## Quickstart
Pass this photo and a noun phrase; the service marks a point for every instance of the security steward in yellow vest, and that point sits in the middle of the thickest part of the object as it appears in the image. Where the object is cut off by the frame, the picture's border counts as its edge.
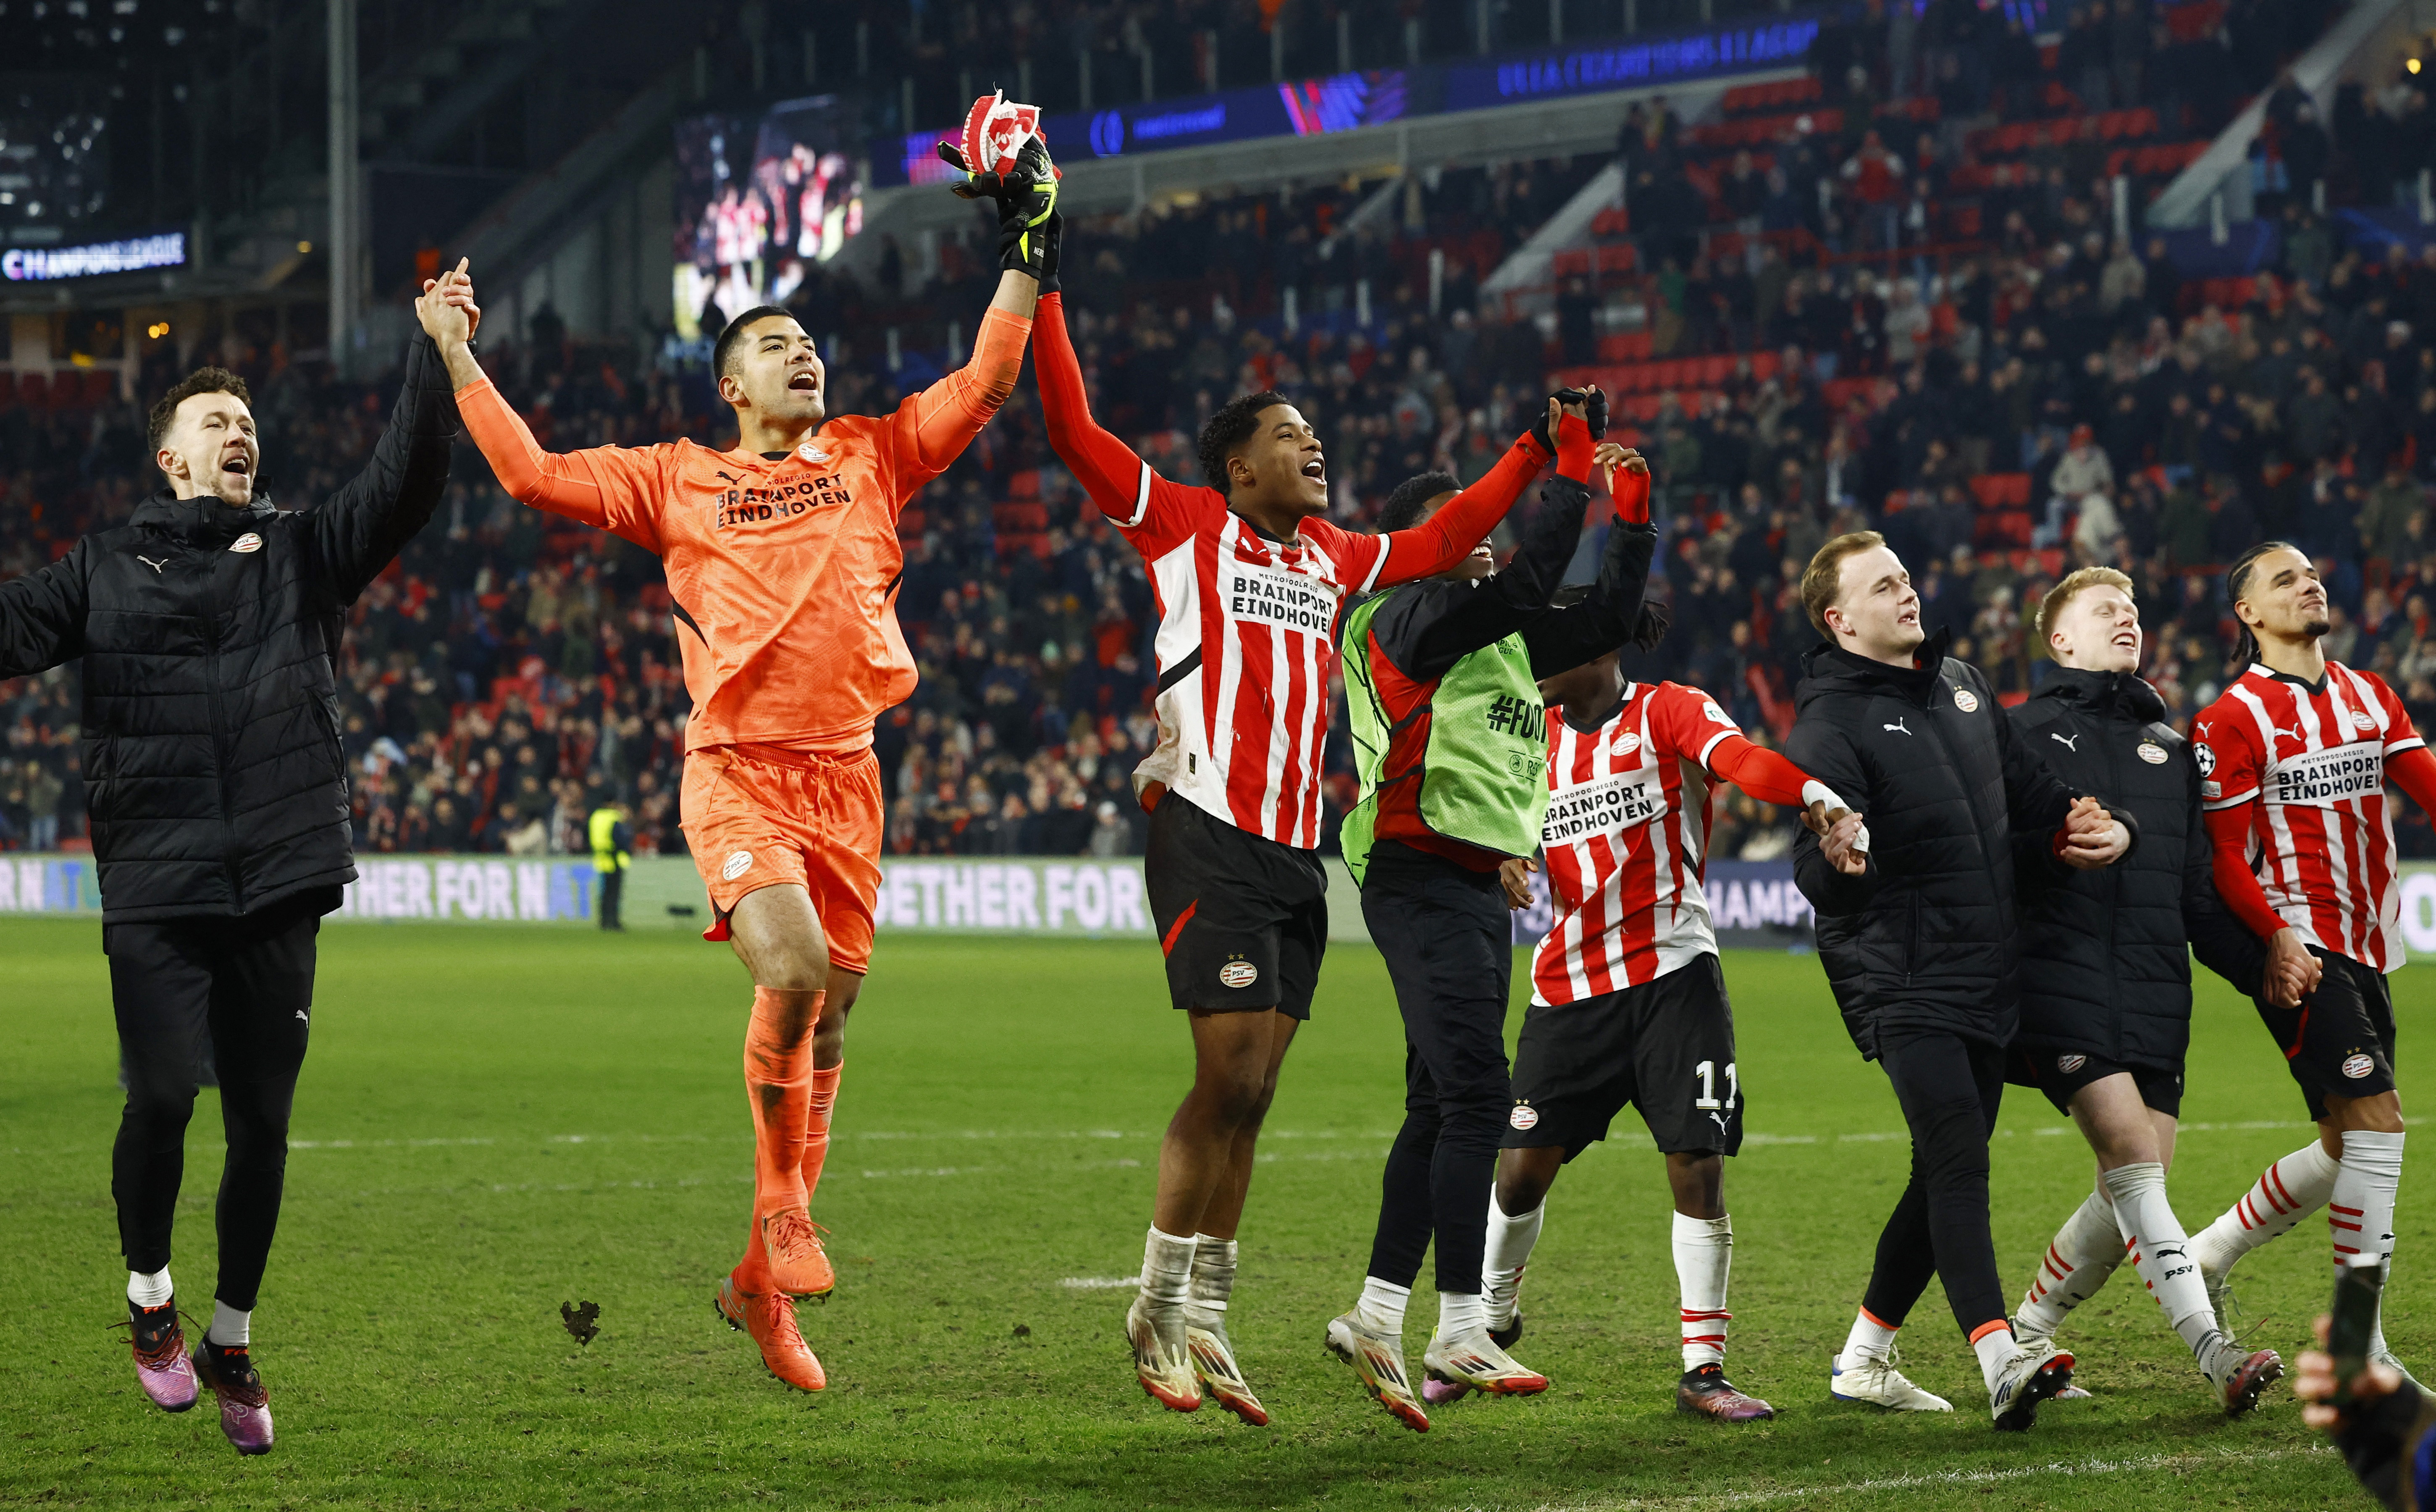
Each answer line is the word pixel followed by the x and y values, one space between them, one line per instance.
pixel 612 853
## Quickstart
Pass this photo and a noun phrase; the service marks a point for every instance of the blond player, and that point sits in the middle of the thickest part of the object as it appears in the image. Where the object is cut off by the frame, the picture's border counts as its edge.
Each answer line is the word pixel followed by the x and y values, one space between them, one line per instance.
pixel 783 561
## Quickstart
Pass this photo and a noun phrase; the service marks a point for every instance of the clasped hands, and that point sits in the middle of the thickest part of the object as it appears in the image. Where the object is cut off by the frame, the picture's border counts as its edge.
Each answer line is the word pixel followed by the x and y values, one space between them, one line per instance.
pixel 2092 838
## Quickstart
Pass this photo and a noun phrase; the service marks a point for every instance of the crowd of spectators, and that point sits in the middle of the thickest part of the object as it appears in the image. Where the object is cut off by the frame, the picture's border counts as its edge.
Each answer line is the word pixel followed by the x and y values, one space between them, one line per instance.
pixel 2003 406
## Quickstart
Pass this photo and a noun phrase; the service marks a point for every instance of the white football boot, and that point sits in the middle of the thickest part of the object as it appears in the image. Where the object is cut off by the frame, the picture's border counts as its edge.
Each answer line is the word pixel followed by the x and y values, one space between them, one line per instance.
pixel 1874 1378
pixel 1378 1359
pixel 1472 1361
pixel 1162 1361
pixel 2030 1374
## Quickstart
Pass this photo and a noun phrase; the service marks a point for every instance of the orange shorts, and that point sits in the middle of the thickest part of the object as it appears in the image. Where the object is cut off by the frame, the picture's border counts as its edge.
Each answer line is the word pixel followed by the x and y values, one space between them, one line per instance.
pixel 760 816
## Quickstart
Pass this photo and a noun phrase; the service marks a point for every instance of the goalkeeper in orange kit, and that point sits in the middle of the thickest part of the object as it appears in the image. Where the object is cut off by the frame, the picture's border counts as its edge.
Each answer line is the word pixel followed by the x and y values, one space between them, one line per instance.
pixel 783 561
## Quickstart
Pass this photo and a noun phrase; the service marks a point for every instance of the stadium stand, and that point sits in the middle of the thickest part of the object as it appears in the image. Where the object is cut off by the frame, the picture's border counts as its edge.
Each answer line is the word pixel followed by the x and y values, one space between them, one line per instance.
pixel 1870 297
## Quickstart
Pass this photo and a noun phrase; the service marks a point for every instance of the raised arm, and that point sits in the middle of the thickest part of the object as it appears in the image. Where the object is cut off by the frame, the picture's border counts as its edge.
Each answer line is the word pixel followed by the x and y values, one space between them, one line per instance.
pixel 357 531
pixel 1424 635
pixel 1605 617
pixel 1464 521
pixel 1116 480
pixel 42 617
pixel 931 429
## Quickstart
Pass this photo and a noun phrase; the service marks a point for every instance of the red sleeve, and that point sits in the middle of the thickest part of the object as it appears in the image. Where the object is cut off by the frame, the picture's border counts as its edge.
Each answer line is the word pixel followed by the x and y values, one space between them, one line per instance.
pixel 1762 773
pixel 2229 831
pixel 2414 773
pixel 1632 491
pixel 1122 486
pixel 1688 723
pixel 2226 750
pixel 1448 536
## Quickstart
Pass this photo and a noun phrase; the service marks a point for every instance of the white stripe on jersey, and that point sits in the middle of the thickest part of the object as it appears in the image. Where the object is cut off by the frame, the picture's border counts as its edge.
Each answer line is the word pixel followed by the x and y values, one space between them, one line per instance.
pixel 1142 503
pixel 2322 838
pixel 1623 917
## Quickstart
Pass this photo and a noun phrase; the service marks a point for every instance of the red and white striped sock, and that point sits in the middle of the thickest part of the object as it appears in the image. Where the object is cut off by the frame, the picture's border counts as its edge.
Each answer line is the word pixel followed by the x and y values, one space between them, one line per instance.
pixel 2082 1254
pixel 2360 1214
pixel 2285 1192
pixel 1704 1253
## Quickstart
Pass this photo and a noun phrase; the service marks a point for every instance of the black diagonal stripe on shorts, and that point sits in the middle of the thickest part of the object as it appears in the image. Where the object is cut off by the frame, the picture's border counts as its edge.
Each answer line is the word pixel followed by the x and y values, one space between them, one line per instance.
pixel 1178 672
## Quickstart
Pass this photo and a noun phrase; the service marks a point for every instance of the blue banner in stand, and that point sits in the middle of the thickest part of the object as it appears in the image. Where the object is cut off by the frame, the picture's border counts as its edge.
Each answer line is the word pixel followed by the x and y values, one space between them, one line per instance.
pixel 1341 102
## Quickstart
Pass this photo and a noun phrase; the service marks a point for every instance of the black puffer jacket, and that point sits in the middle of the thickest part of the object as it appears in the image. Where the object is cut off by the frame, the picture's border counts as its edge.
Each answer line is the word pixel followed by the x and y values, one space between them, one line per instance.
pixel 1928 939
pixel 2106 955
pixel 212 762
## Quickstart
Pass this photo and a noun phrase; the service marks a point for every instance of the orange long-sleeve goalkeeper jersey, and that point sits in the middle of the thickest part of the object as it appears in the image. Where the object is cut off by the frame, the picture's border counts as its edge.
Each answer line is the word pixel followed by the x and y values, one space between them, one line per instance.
pixel 784 571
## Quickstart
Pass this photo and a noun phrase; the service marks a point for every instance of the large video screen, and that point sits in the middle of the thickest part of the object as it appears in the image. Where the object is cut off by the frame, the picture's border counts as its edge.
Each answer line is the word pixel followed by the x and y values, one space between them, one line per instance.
pixel 757 203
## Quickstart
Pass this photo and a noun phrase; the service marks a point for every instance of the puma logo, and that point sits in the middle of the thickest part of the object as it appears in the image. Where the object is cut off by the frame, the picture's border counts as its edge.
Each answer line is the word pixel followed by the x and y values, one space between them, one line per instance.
pixel 156 566
pixel 2294 733
pixel 2071 742
pixel 1720 1119
pixel 1900 727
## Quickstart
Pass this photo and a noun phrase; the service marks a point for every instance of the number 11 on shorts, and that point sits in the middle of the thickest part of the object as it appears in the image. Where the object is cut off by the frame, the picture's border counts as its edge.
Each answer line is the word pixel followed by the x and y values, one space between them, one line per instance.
pixel 1707 1072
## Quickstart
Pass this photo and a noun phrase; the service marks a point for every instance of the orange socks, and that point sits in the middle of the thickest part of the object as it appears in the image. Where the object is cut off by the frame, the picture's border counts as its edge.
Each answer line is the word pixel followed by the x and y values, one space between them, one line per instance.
pixel 816 1126
pixel 777 1085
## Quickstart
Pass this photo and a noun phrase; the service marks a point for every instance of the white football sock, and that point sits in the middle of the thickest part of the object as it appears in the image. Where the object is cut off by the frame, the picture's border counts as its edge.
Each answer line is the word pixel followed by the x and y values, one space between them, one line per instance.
pixel 1381 1308
pixel 1704 1253
pixel 1213 1279
pixel 153 1290
pixel 230 1328
pixel 2285 1192
pixel 1994 1345
pixel 1167 1269
pixel 2361 1210
pixel 1869 1337
pixel 1511 1240
pixel 2077 1261
pixel 2162 1254
pixel 1460 1312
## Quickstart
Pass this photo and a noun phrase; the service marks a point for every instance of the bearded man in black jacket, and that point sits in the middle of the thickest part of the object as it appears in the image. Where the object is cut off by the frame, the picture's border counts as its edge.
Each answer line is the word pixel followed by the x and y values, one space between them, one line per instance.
pixel 2106 975
pixel 1922 949
pixel 209 625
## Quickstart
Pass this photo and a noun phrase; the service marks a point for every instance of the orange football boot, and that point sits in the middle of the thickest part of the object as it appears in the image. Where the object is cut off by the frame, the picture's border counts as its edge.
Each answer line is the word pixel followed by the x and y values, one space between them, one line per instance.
pixel 798 1265
pixel 770 1319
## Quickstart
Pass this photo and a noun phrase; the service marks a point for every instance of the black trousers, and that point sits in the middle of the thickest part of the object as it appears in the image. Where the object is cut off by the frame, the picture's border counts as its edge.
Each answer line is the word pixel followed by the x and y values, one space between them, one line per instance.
pixel 239 991
pixel 612 888
pixel 1949 1088
pixel 1449 945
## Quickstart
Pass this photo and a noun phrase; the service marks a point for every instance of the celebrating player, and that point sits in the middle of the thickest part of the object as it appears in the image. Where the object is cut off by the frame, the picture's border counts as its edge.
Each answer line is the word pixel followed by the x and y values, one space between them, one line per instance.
pixel 782 560
pixel 2295 760
pixel 1249 577
pixel 2106 975
pixel 1447 735
pixel 207 625
pixel 1921 945
pixel 1627 1002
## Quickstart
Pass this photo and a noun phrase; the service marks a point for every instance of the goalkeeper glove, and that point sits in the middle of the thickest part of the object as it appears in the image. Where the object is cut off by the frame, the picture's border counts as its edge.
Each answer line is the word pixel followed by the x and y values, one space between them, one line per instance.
pixel 1025 196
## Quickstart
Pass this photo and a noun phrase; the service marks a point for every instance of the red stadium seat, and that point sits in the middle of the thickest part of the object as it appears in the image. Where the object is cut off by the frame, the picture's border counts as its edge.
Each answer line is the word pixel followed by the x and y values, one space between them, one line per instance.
pixel 1612 224
pixel 1572 263
pixel 100 386
pixel 7 389
pixel 1715 371
pixel 1764 365
pixel 34 390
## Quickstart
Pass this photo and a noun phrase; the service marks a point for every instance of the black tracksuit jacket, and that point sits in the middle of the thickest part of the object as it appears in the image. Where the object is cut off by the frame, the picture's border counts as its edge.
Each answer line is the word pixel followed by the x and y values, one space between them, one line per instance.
pixel 212 761
pixel 2106 955
pixel 1930 938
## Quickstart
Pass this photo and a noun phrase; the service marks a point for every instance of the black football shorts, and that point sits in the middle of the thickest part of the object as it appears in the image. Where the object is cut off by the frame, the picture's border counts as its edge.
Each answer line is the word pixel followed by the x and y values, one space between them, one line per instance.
pixel 1666 1046
pixel 2339 1041
pixel 1242 920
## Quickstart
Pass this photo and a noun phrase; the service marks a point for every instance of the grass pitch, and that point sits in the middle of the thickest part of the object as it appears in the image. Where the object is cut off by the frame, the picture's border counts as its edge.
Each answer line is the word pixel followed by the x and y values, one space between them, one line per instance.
pixel 493 1122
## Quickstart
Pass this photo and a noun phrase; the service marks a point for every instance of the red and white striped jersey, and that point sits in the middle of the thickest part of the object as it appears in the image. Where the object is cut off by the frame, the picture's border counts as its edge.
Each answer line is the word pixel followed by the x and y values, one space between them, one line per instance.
pixel 1246 654
pixel 1624 852
pixel 2322 838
